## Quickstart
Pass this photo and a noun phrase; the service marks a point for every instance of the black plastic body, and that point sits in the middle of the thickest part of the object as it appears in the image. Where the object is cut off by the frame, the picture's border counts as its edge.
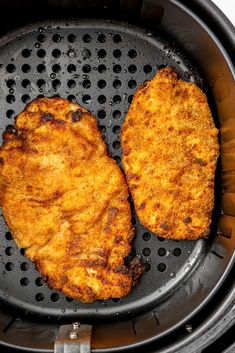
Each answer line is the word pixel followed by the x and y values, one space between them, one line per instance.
pixel 158 324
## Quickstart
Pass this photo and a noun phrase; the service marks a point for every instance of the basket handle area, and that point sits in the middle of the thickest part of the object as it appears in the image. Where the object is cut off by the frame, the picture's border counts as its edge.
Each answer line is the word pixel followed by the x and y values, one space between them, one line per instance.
pixel 75 338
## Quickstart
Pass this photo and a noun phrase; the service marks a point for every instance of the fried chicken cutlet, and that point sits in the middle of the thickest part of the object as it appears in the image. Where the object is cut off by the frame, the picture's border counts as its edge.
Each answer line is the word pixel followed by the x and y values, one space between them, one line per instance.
pixel 169 148
pixel 65 201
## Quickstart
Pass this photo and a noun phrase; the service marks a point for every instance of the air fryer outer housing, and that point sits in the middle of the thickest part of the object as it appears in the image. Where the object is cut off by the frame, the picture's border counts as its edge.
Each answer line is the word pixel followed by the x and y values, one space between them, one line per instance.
pixel 208 39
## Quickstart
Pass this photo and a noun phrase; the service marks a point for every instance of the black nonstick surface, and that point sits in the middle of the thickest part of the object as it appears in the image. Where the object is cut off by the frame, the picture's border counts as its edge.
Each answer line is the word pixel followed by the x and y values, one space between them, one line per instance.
pixel 99 65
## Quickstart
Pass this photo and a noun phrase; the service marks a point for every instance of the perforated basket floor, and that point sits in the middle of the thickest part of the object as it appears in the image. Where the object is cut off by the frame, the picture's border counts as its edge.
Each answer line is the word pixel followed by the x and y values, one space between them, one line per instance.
pixel 99 65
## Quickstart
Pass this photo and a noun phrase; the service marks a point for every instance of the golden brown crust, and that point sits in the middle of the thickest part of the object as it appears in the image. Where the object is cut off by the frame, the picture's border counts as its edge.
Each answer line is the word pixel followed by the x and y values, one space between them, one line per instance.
pixel 170 148
pixel 65 200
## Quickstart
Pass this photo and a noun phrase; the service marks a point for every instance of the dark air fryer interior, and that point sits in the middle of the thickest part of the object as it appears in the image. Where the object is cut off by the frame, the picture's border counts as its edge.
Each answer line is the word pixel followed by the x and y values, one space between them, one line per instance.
pixel 97 53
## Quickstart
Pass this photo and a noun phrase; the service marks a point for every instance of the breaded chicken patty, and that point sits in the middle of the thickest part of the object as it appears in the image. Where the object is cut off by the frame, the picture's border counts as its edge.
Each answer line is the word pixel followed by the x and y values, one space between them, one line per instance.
pixel 65 201
pixel 169 149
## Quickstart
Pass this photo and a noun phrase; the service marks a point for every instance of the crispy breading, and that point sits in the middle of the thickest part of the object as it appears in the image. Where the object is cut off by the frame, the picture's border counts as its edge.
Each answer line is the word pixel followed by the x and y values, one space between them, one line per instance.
pixel 170 148
pixel 65 201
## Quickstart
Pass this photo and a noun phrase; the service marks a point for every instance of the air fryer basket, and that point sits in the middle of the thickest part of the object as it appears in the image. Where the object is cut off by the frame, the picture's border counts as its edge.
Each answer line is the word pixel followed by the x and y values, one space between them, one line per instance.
pixel 97 53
